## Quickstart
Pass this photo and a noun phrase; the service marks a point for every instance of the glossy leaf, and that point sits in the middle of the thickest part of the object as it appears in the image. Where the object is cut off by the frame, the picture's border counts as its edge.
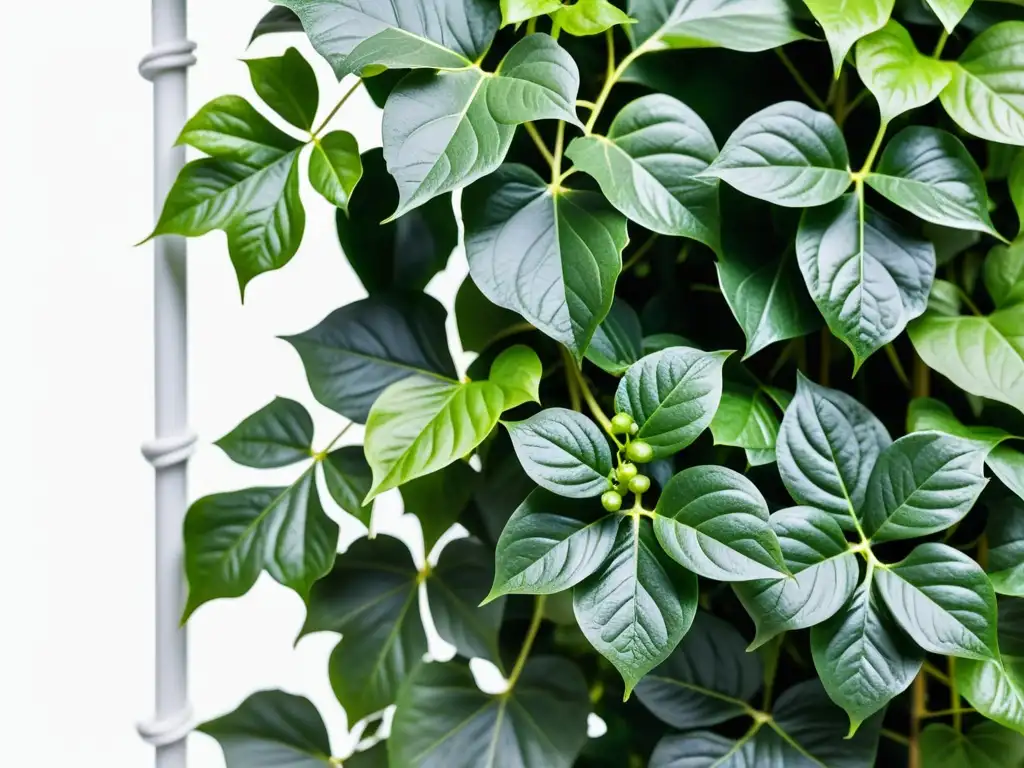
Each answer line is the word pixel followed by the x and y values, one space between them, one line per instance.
pixel 518 371
pixel 335 167
pixel 618 340
pixel 787 154
pixel 231 537
pixel 288 86
pixel 672 395
pixel 929 414
pixel 278 19
pixel 986 745
pixel 950 12
pixel 826 448
pixel 480 321
pixel 845 23
pixel 996 688
pixel 739 25
pixel 565 283
pixel 898 76
pixel 551 544
pixel 357 351
pixel 868 277
pixel 278 434
pixel 638 605
pixel 1005 532
pixel 1008 465
pixel 1004 274
pixel 230 128
pixel 563 451
pixel 714 522
pixel 646 164
pixel 931 174
pixel 590 17
pixel 747 417
pixel 348 478
pixel 420 425
pixel 517 11
pixel 438 500
pixel 943 600
pixel 825 574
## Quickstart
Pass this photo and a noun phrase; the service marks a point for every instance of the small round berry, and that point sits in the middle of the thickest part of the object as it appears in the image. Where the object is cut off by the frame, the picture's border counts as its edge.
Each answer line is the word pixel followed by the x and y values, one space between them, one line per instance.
pixel 634 428
pixel 639 451
pixel 611 501
pixel 640 484
pixel 626 472
pixel 621 423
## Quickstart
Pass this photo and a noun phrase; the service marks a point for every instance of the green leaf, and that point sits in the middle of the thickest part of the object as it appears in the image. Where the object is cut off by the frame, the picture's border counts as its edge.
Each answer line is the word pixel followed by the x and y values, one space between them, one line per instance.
pixel 335 167
pixel 443 720
pixel 399 255
pixel 288 86
pixel 738 25
pixel 272 728
pixel 419 425
pixel 898 76
pixel 590 17
pixel 348 478
pixel 230 128
pixel 563 451
pixel 928 414
pixel 444 130
pixel 982 355
pixel 787 154
pixel 944 298
pixel 357 351
pixel 551 544
pixel 983 97
pixel 845 23
pixel 701 749
pixel 518 371
pixel 1005 532
pixel 275 21
pixel 672 395
pixel 1008 465
pixel 767 297
pixel 1004 274
pixel 355 36
pixel 943 600
pixel 824 576
pixel 518 11
pixel 438 500
pixel 565 283
pixel 746 417
pixel 950 12
pixel 480 321
pixel 455 587
pixel 231 537
pixel 868 277
pixel 922 484
pixel 618 341
pixel 636 607
pixel 931 174
pixel 706 681
pixel 646 164
pixel 278 434
pixel 996 688
pixel 714 522
pixel 826 448
pixel 863 658
pixel 1015 181
pixel 986 745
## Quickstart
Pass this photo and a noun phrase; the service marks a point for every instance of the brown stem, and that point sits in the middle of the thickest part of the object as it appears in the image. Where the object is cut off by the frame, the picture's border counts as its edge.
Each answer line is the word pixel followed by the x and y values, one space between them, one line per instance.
pixel 922 384
pixel 918 703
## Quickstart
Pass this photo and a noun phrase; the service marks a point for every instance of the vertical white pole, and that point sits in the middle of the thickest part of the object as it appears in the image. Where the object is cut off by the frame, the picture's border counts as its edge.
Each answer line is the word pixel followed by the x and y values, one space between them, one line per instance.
pixel 166 67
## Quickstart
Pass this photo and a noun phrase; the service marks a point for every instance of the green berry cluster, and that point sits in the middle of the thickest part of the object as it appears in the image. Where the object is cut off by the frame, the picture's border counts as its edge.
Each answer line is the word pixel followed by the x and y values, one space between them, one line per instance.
pixel 627 478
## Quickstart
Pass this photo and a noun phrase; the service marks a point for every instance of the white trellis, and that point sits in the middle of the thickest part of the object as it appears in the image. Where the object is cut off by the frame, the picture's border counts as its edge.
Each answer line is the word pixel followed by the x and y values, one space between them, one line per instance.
pixel 166 66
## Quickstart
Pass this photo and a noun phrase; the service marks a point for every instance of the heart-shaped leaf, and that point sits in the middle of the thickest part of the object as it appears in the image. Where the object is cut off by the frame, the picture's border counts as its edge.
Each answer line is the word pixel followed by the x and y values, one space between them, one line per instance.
pixel 950 12
pixel 672 395
pixel 739 25
pixel 348 478
pixel 335 167
pixel 589 17
pixel 564 283
pixel 287 84
pixel 230 128
pixel 1006 547
pixel 518 370
pixel 618 340
pixel 278 434
pixel 986 745
pixel 845 23
pixel 996 688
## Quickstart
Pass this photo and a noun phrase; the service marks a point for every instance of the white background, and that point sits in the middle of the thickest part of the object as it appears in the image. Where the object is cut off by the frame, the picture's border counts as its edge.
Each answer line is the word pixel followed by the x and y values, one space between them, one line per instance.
pixel 75 312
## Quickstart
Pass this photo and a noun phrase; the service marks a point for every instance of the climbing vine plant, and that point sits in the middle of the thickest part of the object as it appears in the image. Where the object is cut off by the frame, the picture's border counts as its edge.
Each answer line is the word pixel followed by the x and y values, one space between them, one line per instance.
pixel 734 475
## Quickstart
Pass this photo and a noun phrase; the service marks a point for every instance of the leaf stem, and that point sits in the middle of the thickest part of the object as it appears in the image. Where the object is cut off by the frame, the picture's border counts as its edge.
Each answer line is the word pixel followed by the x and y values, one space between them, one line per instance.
pixel 941 44
pixel 899 738
pixel 531 26
pixel 968 301
pixel 937 673
pixel 894 358
pixel 947 712
pixel 851 106
pixel 814 98
pixel 640 252
pixel 339 105
pixel 917 713
pixel 585 103
pixel 612 77
pixel 922 378
pixel 571 383
pixel 954 695
pixel 556 163
pixel 531 635
pixel 531 129
pixel 321 455
pixel 588 395
pixel 873 152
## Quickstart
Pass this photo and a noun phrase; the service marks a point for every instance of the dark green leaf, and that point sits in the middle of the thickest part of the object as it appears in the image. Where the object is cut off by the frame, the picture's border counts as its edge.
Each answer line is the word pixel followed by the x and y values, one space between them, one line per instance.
pixel 1004 273
pixel 230 128
pixel 480 321
pixel 618 341
pixel 288 86
pixel 518 371
pixel 1006 547
pixel 335 167
pixel 845 23
pixel 986 745
pixel 438 499
pixel 348 479
pixel 276 20
pixel 739 25
pixel 278 434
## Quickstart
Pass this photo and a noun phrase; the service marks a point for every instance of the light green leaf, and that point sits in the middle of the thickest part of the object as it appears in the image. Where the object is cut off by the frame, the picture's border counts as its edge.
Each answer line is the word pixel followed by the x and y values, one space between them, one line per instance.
pixel 443 720
pixel 518 372
pixel 1005 532
pixel 996 688
pixel 787 154
pixel 335 167
pixel 922 484
pixel 1015 181
pixel 646 164
pixel 231 537
pixel 1008 465
pixel 738 25
pixel 618 340
pixel 355 36
pixel 826 448
pixel 564 283
pixel 348 478
pixel 950 12
pixel 371 599
pixel 746 416
pixel 638 605
pixel 230 128
pixel 868 277
pixel 983 97
pixel 928 414
pixel 944 298
pixel 278 434
pixel 845 23
pixel 288 86
pixel 672 395
pixel 714 522
pixel 418 426
pixel 986 745
pixel 982 355
pixel 590 17
pixel 551 544
pixel 898 76
pixel 931 174
pixel 272 728
pixel 943 600
pixel 563 451
pixel 437 500
pixel 518 11
pixel 1004 273
pixel 824 576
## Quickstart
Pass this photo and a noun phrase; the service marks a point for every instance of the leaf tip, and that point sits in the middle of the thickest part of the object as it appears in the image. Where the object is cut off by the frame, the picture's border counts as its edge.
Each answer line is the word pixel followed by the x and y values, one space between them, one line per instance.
pixel 854 726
